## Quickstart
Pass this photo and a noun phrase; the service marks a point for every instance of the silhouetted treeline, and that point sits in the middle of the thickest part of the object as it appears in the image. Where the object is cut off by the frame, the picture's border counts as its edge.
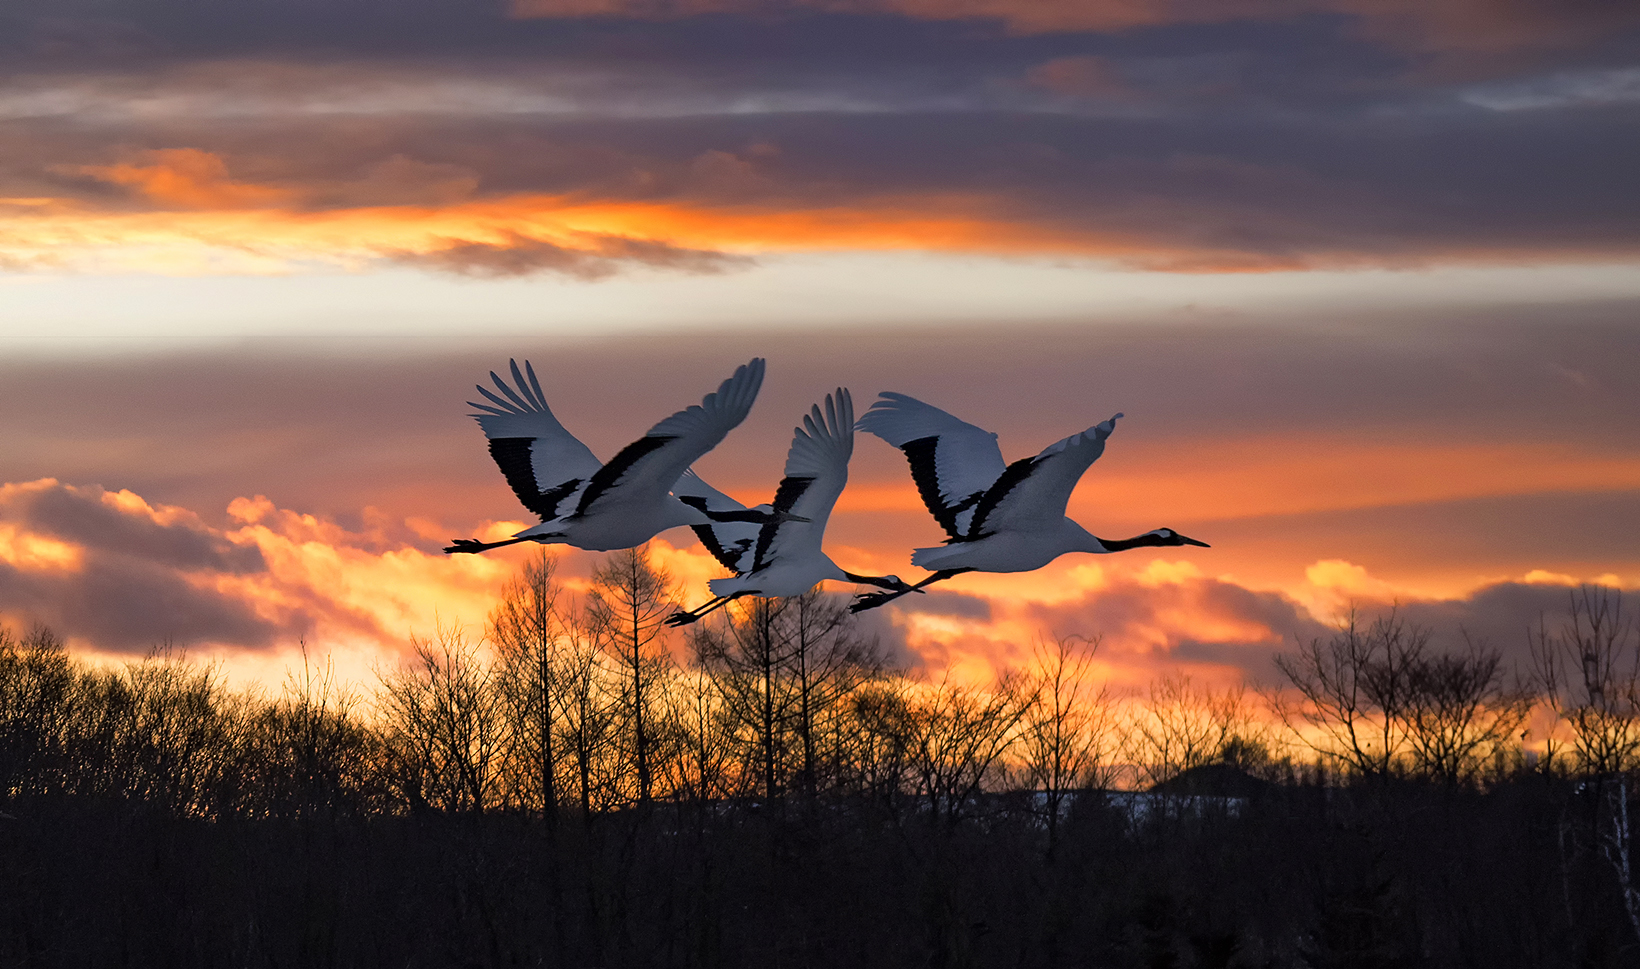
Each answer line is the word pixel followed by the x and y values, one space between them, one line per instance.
pixel 571 788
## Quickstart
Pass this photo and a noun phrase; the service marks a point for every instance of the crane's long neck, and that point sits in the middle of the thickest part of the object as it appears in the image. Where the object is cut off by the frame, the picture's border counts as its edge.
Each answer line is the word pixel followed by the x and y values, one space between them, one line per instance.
pixel 1147 540
pixel 880 581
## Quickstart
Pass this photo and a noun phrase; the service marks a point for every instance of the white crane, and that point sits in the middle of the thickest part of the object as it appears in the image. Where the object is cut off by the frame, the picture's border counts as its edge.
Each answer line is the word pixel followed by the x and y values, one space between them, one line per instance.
pixel 587 503
pixel 783 557
pixel 1000 517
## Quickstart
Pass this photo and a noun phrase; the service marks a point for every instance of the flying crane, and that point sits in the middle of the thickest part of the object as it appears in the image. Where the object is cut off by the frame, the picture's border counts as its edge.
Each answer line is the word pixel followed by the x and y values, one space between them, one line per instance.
pixel 783 557
pixel 999 517
pixel 602 506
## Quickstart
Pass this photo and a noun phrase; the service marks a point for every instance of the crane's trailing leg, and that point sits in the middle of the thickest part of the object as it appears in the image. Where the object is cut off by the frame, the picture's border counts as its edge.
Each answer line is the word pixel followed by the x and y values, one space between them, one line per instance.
pixel 685 618
pixel 872 600
pixel 474 545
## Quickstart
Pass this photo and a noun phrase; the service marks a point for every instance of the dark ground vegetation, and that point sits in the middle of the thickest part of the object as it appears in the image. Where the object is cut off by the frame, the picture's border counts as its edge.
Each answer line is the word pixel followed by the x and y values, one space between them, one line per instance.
pixel 801 806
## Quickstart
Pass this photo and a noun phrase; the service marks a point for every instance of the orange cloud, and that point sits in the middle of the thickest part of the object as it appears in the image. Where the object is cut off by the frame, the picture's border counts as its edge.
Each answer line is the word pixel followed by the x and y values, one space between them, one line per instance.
pixel 524 233
pixel 187 178
pixel 188 215
pixel 236 227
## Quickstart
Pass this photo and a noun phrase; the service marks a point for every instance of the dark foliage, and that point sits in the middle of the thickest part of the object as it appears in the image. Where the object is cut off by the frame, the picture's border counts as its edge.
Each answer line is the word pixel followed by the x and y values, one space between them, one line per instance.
pixel 1303 876
pixel 149 817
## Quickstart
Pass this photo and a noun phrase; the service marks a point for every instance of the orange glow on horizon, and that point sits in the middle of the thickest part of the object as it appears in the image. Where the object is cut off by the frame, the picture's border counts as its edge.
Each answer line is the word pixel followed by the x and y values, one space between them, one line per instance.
pixel 199 220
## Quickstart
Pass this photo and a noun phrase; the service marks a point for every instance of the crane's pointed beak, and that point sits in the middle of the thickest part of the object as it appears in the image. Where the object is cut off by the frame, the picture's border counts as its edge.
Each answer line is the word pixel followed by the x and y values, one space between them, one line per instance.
pixel 1192 541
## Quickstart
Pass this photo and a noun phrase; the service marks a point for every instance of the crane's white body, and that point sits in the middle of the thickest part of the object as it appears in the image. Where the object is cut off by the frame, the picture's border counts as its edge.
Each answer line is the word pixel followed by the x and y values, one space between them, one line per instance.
pixel 592 504
pixel 1015 550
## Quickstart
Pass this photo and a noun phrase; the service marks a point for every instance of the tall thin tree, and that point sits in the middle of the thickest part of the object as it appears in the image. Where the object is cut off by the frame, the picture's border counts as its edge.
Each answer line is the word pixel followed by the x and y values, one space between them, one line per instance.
pixel 527 631
pixel 629 600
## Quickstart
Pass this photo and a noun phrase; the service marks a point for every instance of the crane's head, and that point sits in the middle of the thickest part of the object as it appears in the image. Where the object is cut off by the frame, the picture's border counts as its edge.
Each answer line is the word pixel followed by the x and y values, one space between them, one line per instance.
pixel 1167 536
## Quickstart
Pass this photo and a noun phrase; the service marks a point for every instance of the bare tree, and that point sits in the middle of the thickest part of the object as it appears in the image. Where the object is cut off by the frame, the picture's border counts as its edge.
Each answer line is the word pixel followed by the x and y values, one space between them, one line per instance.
pixel 629 599
pixel 445 724
pixel 1066 732
pixel 783 668
pixel 178 732
pixel 1354 691
pixel 1184 725
pixel 703 768
pixel 528 632
pixel 878 728
pixel 1589 673
pixel 1459 709
pixel 589 694
pixel 959 736
pixel 38 686
pixel 313 754
pixel 828 661
pixel 748 657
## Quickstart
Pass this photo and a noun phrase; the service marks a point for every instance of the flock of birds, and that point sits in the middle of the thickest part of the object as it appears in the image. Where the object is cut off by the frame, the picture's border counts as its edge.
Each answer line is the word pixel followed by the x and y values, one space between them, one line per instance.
pixel 999 517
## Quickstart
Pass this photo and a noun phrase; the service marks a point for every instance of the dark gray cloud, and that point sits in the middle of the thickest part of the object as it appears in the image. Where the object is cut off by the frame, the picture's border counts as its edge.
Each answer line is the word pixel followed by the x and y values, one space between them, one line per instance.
pixel 1496 616
pixel 877 626
pixel 1578 533
pixel 129 605
pixel 80 516
pixel 1501 616
pixel 1483 32
pixel 1156 625
pixel 135 583
pixel 940 603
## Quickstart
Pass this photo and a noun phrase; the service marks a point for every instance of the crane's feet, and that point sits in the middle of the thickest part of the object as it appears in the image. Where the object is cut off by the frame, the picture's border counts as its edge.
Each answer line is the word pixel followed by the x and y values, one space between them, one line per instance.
pixel 458 545
pixel 680 619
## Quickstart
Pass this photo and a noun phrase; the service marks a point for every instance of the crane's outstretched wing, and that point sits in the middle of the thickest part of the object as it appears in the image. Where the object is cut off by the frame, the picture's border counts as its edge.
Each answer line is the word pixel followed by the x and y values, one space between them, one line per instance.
pixel 733 544
pixel 816 471
pixel 651 465
pixel 1033 492
pixel 953 462
pixel 545 465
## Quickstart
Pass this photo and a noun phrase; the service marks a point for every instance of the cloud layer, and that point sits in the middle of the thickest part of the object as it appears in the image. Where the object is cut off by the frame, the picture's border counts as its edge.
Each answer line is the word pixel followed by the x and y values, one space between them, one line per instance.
pixel 118 575
pixel 597 135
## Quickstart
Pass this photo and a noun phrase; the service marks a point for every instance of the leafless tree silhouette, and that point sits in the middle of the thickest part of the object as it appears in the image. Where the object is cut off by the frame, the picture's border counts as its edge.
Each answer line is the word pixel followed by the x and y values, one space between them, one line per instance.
pixel 1067 736
pixel 445 725
pixel 629 600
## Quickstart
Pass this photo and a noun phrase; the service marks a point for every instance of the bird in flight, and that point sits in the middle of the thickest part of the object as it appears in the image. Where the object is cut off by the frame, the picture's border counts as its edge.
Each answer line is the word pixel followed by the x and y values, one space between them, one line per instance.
pixel 999 517
pixel 783 557
pixel 596 505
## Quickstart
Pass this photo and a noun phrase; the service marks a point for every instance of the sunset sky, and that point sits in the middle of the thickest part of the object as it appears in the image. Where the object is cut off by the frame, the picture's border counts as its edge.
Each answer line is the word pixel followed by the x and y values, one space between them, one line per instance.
pixel 1364 276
